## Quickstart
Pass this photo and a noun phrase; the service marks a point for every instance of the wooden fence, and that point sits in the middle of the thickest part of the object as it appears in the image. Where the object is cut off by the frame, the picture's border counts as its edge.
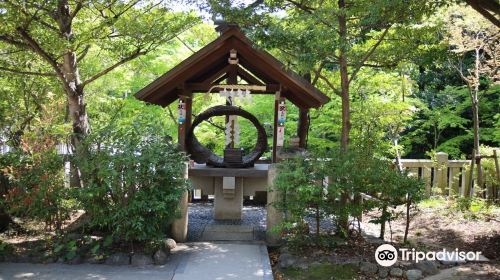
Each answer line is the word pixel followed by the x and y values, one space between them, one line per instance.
pixel 447 177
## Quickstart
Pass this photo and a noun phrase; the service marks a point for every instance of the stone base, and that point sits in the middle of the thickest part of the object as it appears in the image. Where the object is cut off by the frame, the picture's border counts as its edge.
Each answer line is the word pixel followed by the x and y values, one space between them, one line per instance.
pixel 228 233
pixel 228 208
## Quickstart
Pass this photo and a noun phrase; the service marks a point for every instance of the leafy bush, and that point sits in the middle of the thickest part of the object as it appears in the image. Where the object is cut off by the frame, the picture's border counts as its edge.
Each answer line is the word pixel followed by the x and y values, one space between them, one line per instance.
pixel 355 174
pixel 351 175
pixel 36 186
pixel 132 179
pixel 300 184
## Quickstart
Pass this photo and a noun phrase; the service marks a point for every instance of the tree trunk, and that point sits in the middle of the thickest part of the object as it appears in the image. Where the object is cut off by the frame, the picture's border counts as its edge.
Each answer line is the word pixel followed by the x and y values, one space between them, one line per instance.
pixel 346 124
pixel 475 117
pixel 344 78
pixel 69 68
pixel 477 153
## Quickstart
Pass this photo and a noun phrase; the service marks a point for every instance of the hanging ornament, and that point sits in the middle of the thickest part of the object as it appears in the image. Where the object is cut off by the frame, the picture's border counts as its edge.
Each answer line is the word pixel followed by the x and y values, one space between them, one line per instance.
pixel 249 96
pixel 282 113
pixel 182 112
pixel 232 131
pixel 280 138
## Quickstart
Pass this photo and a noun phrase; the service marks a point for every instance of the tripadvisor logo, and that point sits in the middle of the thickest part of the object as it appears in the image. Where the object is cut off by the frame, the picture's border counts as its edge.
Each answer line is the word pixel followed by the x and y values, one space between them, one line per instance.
pixel 387 255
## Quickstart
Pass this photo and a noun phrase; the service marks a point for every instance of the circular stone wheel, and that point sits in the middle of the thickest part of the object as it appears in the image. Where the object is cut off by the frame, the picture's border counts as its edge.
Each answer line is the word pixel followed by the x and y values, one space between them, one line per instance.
pixel 200 153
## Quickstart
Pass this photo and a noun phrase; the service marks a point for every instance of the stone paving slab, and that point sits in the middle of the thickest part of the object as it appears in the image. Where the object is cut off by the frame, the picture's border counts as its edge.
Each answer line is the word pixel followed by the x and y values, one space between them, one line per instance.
pixel 207 260
pixel 55 271
pixel 203 260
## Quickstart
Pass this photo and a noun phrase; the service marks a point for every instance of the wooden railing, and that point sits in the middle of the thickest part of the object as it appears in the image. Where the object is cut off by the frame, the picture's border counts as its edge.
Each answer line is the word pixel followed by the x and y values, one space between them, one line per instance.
pixel 446 177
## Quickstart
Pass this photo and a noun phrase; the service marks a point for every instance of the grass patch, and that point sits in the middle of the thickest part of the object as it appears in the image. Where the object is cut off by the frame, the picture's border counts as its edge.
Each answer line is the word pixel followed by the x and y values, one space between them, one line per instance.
pixel 322 271
pixel 471 208
pixel 433 202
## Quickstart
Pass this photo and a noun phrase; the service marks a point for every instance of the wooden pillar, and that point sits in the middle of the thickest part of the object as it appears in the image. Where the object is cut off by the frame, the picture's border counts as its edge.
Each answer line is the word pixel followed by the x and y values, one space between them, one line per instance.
pixel 303 127
pixel 277 100
pixel 187 98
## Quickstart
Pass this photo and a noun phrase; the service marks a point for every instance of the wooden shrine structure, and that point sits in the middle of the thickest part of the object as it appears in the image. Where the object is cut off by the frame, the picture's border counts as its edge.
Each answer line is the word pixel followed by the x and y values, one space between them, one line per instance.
pixel 215 68
pixel 211 66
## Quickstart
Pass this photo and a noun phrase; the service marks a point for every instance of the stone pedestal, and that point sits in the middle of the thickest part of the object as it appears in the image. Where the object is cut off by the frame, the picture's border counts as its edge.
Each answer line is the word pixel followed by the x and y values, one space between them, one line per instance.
pixel 180 225
pixel 228 199
pixel 274 216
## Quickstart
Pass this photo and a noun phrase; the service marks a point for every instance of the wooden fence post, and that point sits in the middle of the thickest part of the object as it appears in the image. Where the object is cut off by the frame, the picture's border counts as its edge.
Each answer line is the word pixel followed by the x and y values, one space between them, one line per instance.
pixel 441 174
pixel 496 193
pixel 453 181
pixel 469 186
pixel 426 176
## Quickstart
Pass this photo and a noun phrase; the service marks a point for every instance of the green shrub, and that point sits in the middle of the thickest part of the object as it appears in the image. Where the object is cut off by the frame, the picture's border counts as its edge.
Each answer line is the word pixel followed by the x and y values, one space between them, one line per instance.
pixel 299 181
pixel 355 174
pixel 351 175
pixel 36 186
pixel 132 179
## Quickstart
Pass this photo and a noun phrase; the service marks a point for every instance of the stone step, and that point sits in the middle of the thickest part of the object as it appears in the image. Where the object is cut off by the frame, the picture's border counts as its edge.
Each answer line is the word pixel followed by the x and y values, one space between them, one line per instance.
pixel 228 193
pixel 228 233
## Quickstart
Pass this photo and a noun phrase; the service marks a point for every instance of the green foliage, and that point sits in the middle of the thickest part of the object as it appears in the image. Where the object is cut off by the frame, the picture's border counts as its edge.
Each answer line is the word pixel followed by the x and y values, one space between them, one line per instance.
pixel 5 248
pixel 488 165
pixel 433 202
pixel 133 176
pixel 322 271
pixel 303 187
pixel 68 247
pixel 36 187
pixel 357 174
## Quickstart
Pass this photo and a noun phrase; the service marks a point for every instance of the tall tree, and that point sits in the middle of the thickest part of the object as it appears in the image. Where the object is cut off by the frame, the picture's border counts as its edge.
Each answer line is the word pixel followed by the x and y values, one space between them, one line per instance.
pixel 321 36
pixel 475 42
pixel 57 37
pixel 333 40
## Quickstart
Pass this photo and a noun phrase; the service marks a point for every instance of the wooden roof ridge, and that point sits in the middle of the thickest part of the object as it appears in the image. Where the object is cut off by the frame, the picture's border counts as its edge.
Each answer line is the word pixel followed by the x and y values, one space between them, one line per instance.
pixel 174 76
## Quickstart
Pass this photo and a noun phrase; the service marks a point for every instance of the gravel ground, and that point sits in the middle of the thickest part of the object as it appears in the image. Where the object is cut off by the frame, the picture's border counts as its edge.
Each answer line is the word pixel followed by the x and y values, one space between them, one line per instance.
pixel 201 215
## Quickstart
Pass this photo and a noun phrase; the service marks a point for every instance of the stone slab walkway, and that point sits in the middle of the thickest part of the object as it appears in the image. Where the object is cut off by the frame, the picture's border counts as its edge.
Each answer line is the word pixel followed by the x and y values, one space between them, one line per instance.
pixel 204 260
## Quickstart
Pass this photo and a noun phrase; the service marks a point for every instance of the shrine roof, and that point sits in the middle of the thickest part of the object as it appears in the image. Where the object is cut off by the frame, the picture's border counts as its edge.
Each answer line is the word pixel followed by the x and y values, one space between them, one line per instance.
pixel 209 67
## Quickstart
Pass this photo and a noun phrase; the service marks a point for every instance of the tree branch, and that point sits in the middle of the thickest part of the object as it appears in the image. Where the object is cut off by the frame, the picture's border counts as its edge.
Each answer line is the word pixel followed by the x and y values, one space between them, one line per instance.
pixel 77 9
pixel 212 123
pixel 10 40
pixel 83 53
pixel 301 6
pixel 317 72
pixel 368 54
pixel 33 16
pixel 184 43
pixel 112 67
pixel 47 57
pixel 21 72
pixel 334 88
pixel 172 115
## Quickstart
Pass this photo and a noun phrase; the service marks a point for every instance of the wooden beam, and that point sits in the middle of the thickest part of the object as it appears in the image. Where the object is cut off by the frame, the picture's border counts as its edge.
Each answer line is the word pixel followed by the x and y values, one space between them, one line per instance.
pixel 216 75
pixel 249 78
pixel 199 87
pixel 219 80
